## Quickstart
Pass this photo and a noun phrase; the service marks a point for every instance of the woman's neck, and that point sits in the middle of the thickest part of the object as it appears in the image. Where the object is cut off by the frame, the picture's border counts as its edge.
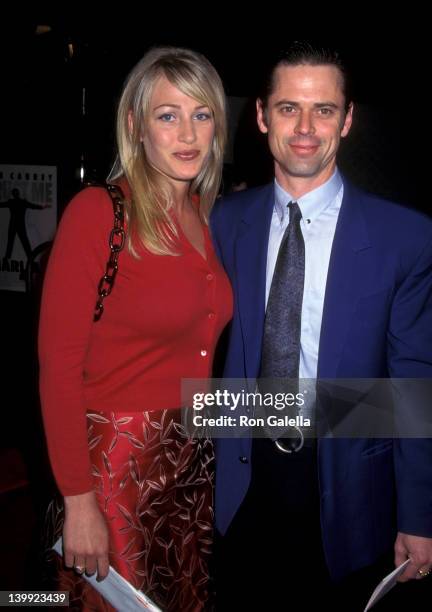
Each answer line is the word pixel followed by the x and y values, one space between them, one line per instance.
pixel 181 198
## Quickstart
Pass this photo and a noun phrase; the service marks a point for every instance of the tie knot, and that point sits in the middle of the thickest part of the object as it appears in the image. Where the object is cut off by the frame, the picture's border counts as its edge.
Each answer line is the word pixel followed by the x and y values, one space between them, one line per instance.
pixel 295 212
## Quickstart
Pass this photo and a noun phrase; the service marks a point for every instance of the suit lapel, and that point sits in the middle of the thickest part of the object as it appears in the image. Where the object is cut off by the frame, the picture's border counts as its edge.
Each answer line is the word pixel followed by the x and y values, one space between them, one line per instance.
pixel 342 289
pixel 251 263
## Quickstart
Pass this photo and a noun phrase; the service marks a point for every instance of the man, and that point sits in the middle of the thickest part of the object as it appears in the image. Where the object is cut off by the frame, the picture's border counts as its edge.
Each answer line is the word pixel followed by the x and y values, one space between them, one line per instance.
pixel 326 513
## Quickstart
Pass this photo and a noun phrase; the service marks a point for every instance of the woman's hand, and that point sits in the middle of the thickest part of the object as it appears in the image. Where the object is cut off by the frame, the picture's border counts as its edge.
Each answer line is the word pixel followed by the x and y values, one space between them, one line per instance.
pixel 85 535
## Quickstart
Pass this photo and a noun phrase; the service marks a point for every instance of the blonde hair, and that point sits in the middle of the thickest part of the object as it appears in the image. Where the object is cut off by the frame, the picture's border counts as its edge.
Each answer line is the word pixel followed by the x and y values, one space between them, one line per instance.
pixel 148 211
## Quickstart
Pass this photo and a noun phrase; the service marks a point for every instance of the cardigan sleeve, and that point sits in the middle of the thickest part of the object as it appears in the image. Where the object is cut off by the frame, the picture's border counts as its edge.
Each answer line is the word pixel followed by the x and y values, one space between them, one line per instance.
pixel 76 264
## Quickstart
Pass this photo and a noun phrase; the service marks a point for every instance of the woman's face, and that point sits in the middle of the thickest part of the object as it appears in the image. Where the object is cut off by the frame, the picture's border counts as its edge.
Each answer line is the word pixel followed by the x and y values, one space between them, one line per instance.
pixel 178 134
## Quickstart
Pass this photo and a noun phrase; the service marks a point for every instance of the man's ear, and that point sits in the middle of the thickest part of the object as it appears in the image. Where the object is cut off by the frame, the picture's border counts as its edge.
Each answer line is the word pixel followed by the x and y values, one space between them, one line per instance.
pixel 348 120
pixel 261 116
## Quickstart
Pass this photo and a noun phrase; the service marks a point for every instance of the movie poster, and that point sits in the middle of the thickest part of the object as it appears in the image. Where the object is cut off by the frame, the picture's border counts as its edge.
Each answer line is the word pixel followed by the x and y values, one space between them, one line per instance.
pixel 28 218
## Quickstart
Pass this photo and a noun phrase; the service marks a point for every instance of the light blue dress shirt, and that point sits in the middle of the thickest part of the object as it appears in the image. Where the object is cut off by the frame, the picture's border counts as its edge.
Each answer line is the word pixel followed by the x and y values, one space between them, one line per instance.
pixel 320 210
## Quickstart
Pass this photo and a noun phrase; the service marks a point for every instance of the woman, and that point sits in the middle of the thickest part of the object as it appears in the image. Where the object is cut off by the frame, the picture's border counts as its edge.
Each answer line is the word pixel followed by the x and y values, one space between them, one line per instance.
pixel 137 491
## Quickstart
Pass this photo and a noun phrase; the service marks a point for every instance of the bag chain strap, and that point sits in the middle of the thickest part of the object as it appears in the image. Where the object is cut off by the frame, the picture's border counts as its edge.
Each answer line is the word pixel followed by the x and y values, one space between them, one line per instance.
pixel 116 241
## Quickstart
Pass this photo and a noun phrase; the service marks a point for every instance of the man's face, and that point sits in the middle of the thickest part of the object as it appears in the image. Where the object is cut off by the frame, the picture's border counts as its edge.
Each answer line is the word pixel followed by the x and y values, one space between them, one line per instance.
pixel 305 119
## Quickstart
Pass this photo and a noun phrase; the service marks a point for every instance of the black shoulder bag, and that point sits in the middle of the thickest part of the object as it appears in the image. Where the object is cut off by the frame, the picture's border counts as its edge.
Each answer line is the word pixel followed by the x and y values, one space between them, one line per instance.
pixel 116 243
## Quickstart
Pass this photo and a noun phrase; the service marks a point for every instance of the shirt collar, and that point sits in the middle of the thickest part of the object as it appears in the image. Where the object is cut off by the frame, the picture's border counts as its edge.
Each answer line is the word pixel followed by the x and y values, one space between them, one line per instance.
pixel 311 204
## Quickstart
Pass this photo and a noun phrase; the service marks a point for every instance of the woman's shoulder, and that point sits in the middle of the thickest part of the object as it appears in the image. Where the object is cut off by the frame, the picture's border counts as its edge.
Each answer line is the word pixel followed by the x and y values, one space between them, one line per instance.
pixel 89 216
pixel 93 201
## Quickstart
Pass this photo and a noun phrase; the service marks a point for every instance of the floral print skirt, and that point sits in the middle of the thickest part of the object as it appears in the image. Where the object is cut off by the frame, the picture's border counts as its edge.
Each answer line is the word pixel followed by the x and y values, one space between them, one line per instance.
pixel 154 484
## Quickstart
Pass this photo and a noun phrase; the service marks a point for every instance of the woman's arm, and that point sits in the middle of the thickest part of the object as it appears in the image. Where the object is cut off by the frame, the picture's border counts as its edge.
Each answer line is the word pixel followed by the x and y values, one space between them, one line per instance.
pixel 76 264
pixel 85 535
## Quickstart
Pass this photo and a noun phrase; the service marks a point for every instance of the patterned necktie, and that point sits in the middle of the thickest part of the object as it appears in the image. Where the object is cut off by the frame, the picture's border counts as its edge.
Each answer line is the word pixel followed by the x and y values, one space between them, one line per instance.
pixel 281 341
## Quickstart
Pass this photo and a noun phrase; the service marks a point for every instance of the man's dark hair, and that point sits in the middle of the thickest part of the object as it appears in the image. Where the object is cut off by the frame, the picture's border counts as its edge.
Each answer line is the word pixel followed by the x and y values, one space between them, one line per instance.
pixel 305 53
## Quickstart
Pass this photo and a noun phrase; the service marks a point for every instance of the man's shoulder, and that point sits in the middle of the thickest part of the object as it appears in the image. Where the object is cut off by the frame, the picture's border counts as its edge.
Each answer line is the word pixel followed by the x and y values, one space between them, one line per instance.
pixel 401 211
pixel 394 218
pixel 235 205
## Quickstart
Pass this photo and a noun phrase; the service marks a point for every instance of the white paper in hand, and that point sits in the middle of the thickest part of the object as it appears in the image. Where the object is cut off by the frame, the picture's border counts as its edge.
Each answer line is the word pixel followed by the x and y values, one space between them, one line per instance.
pixel 116 590
pixel 386 584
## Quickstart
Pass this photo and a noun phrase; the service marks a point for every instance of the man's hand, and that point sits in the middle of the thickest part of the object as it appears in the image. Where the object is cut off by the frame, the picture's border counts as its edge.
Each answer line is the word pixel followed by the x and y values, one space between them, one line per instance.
pixel 85 536
pixel 419 550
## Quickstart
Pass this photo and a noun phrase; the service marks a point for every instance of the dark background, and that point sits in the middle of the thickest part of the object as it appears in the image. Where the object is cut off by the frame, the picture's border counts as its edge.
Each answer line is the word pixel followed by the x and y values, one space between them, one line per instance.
pixel 41 123
pixel 42 83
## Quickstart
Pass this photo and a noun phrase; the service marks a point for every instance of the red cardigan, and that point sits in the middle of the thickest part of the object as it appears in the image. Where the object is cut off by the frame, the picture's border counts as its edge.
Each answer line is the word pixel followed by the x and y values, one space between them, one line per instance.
pixel 161 324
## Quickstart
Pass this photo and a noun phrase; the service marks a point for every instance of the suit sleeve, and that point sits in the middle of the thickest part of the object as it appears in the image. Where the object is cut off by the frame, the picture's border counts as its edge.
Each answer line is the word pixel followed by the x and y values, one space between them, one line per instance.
pixel 410 356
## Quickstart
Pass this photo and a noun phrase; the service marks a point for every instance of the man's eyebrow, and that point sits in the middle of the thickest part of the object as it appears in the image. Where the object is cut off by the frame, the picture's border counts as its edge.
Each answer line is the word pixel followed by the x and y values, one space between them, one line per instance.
pixel 327 104
pixel 297 104
pixel 283 102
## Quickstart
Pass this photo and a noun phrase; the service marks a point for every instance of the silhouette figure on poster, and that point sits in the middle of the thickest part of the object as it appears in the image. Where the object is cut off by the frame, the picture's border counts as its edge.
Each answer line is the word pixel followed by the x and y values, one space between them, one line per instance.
pixel 17 227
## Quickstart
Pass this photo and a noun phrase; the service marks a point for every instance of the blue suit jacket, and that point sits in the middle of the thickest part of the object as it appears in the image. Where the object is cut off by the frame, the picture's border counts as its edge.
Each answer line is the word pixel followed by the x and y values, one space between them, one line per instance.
pixel 377 322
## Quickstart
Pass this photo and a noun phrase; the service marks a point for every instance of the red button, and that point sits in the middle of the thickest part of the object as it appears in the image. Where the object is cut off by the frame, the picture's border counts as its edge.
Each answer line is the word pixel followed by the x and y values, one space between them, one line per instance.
pixel 211 315
pixel 209 277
